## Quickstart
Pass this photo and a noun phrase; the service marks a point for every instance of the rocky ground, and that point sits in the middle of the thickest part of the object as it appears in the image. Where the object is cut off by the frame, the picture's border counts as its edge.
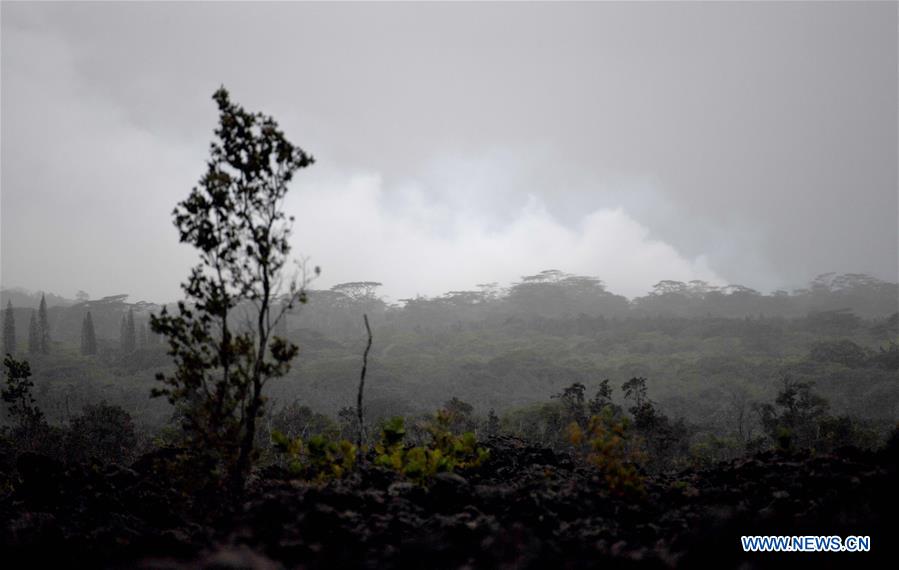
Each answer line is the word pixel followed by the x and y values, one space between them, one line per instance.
pixel 526 507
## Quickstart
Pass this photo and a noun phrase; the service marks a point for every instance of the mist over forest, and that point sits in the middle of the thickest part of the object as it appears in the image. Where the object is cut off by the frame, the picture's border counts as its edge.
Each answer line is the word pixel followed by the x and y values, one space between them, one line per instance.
pixel 406 292
pixel 503 348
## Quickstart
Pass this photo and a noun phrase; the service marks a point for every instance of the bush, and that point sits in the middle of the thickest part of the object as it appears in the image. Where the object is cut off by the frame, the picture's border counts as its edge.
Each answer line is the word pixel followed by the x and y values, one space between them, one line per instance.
pixel 17 395
pixel 710 448
pixel 317 458
pixel 843 431
pixel 665 441
pixel 101 433
pixel 445 452
pixel 607 444
pixel 796 424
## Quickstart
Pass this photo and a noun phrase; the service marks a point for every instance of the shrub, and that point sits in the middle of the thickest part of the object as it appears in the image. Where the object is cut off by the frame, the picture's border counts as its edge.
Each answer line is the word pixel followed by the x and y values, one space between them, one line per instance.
pixel 101 433
pixel 665 440
pixel 317 458
pixel 711 448
pixel 445 452
pixel 843 431
pixel 607 445
pixel 17 395
pixel 795 421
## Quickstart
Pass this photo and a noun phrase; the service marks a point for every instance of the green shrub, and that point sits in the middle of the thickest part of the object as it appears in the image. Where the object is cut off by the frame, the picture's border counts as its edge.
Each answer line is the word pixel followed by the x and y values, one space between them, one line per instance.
pixel 445 452
pixel 607 445
pixel 317 458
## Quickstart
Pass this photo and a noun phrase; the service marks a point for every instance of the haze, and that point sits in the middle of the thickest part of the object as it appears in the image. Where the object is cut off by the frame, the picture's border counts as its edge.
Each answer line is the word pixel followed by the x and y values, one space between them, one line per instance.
pixel 456 144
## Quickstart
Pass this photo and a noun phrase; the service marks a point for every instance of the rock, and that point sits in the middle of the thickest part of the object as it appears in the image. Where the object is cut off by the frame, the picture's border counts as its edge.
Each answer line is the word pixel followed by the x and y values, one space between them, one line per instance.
pixel 452 479
pixel 237 558
pixel 400 488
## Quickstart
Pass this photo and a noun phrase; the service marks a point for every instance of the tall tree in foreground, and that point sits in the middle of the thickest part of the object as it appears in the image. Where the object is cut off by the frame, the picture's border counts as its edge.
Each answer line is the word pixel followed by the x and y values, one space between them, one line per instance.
pixel 34 334
pixel 234 218
pixel 88 337
pixel 44 326
pixel 9 330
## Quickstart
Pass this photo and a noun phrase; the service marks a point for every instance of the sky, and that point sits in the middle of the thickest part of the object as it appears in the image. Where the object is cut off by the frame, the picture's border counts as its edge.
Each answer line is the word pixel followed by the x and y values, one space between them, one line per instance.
pixel 461 143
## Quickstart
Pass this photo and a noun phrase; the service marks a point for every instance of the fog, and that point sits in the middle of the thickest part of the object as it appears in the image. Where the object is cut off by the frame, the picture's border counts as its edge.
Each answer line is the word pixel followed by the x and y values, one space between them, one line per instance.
pixel 747 143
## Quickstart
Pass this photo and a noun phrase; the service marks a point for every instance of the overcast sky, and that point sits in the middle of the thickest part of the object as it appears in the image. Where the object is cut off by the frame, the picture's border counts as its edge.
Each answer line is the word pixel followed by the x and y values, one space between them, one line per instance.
pixel 751 143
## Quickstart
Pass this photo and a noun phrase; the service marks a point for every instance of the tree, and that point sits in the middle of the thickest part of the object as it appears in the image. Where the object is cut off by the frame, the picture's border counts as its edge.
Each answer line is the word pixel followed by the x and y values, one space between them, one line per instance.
pixel 635 389
pixel 88 337
pixel 16 394
pixel 34 334
pixel 459 415
pixel 234 218
pixel 44 326
pixel 492 427
pixel 669 287
pixel 554 294
pixel 572 399
pixel 297 420
pixel 9 330
pixel 603 400
pixel 128 335
pixel 101 433
pixel 663 439
pixel 797 424
pixel 359 291
pixel 358 297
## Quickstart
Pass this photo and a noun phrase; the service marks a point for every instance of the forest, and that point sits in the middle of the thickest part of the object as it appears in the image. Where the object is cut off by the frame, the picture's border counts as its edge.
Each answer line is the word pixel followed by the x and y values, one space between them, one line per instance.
pixel 542 422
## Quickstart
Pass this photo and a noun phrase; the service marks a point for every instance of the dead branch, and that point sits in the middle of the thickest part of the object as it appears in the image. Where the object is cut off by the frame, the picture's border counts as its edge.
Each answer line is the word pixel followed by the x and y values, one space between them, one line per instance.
pixel 359 413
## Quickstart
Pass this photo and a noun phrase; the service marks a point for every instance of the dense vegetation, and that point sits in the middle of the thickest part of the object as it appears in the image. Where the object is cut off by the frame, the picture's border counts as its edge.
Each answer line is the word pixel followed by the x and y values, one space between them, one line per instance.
pixel 714 370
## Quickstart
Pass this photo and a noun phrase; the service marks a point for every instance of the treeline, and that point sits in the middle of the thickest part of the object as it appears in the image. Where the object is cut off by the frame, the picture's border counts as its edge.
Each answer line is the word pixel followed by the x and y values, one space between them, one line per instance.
pixel 553 294
pixel 831 299
pixel 109 325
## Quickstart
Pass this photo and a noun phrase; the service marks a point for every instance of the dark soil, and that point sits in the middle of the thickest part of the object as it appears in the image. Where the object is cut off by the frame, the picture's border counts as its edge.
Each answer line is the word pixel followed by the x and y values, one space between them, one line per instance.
pixel 526 507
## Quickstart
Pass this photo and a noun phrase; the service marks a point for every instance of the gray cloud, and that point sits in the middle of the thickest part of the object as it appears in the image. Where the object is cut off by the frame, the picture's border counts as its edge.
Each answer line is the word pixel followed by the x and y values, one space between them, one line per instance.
pixel 744 142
